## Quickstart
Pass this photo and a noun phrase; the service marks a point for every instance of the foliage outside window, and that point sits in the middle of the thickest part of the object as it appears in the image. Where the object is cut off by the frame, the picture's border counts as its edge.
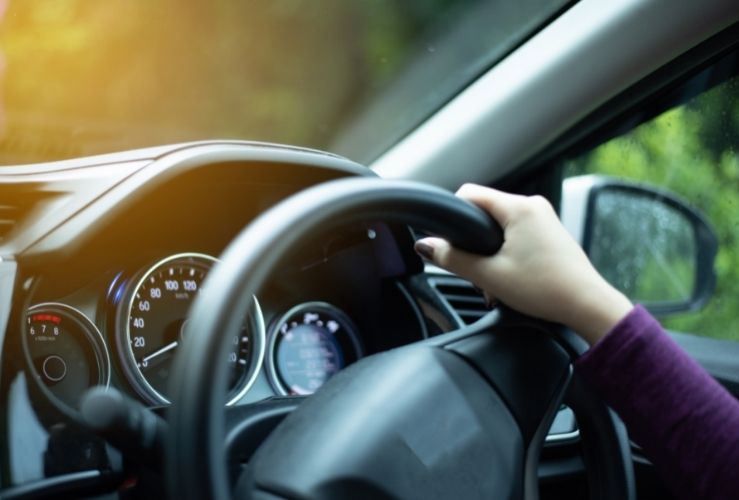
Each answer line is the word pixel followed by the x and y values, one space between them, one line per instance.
pixel 693 151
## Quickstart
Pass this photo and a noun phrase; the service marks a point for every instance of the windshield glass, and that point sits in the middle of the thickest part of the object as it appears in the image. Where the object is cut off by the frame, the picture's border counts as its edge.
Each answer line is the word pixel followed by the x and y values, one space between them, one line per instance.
pixel 82 77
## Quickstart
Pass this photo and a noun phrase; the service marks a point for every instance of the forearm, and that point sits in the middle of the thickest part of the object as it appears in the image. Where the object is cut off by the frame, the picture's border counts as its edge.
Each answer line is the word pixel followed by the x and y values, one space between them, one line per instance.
pixel 683 419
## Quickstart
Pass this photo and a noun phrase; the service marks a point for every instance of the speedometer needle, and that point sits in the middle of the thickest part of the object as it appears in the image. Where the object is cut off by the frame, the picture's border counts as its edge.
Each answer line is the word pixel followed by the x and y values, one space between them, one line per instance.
pixel 147 360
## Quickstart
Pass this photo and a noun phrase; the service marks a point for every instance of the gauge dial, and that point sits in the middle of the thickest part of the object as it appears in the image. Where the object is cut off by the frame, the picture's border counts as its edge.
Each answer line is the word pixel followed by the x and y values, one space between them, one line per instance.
pixel 308 345
pixel 66 351
pixel 155 325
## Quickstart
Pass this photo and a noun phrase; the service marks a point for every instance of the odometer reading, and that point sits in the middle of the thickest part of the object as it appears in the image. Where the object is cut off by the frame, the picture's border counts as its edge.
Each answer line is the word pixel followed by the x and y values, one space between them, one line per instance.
pixel 156 326
pixel 310 344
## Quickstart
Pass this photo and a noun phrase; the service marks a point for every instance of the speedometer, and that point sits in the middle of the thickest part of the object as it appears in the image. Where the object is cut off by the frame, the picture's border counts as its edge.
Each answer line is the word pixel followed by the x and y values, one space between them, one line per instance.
pixel 153 323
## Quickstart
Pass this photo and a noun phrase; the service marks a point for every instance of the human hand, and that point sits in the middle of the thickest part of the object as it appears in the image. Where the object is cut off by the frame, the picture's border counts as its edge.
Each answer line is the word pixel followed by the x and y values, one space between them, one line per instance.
pixel 540 270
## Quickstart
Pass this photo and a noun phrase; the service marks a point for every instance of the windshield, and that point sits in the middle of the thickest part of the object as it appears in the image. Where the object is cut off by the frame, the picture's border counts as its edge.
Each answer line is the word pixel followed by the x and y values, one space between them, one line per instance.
pixel 82 77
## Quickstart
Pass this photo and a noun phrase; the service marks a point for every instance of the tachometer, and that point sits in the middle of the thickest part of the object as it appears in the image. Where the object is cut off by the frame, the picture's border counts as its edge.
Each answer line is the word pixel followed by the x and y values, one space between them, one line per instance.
pixel 66 351
pixel 308 345
pixel 154 320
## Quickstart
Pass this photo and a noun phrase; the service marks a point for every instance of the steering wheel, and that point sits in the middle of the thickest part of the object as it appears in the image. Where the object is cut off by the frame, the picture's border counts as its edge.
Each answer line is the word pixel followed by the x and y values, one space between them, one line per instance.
pixel 460 415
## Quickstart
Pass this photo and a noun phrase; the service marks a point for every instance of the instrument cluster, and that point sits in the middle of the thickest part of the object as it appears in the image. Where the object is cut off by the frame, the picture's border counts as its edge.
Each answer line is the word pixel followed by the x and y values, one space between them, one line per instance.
pixel 144 322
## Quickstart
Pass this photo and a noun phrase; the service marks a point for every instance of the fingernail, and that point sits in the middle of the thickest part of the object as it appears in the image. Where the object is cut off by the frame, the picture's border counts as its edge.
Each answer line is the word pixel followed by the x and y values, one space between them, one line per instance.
pixel 489 303
pixel 424 250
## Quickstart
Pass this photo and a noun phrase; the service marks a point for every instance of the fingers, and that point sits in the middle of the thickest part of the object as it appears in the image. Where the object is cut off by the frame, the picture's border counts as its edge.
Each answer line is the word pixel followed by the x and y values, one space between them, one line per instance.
pixel 510 210
pixel 497 203
pixel 442 254
pixel 500 205
pixel 504 207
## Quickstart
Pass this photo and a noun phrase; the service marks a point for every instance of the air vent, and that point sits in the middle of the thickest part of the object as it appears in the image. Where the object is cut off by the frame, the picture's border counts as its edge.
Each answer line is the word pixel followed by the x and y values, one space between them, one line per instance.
pixel 463 298
pixel 8 217
pixel 17 202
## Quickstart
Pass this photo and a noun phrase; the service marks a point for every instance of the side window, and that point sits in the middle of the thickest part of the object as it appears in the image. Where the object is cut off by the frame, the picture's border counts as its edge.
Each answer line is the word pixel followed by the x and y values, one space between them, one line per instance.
pixel 692 150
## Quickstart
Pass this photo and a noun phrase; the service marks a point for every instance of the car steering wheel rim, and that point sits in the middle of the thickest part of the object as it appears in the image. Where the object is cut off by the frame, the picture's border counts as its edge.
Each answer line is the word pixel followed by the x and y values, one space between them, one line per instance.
pixel 195 457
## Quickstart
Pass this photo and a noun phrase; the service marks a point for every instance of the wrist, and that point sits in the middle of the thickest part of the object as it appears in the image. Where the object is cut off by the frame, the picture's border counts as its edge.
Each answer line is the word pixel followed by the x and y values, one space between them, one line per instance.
pixel 600 311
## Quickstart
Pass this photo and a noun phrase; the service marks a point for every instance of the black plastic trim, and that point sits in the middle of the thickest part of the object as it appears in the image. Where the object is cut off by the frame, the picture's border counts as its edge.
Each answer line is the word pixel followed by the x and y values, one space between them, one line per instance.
pixel 72 231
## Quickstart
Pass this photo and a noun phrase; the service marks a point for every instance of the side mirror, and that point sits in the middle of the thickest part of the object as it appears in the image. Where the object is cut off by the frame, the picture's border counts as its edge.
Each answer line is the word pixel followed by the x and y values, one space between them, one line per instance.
pixel 648 243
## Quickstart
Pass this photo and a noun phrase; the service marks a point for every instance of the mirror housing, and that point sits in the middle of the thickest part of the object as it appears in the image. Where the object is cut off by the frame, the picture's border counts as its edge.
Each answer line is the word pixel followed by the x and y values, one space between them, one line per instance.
pixel 653 246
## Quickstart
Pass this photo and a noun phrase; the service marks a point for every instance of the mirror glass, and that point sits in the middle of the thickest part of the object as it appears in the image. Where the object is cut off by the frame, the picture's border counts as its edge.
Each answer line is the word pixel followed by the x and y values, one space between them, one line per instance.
pixel 643 246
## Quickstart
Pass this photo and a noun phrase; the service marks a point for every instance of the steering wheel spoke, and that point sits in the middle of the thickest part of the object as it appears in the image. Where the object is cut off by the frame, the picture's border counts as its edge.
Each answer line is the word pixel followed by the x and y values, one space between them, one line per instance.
pixel 416 422
pixel 526 366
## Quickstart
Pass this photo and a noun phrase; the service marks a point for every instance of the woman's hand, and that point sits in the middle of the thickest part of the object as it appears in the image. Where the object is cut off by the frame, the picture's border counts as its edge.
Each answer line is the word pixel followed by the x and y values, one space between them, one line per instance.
pixel 540 270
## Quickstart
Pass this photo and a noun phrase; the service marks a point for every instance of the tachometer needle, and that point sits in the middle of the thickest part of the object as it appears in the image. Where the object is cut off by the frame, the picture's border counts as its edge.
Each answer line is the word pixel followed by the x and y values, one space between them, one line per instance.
pixel 159 352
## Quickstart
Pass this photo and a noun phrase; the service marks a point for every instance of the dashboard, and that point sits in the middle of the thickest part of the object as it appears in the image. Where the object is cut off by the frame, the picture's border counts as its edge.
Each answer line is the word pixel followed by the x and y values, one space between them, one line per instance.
pixel 102 298
pixel 106 255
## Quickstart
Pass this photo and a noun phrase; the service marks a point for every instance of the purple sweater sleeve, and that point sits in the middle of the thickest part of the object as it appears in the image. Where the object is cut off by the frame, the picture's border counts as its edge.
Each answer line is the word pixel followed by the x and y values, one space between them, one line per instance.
pixel 684 420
